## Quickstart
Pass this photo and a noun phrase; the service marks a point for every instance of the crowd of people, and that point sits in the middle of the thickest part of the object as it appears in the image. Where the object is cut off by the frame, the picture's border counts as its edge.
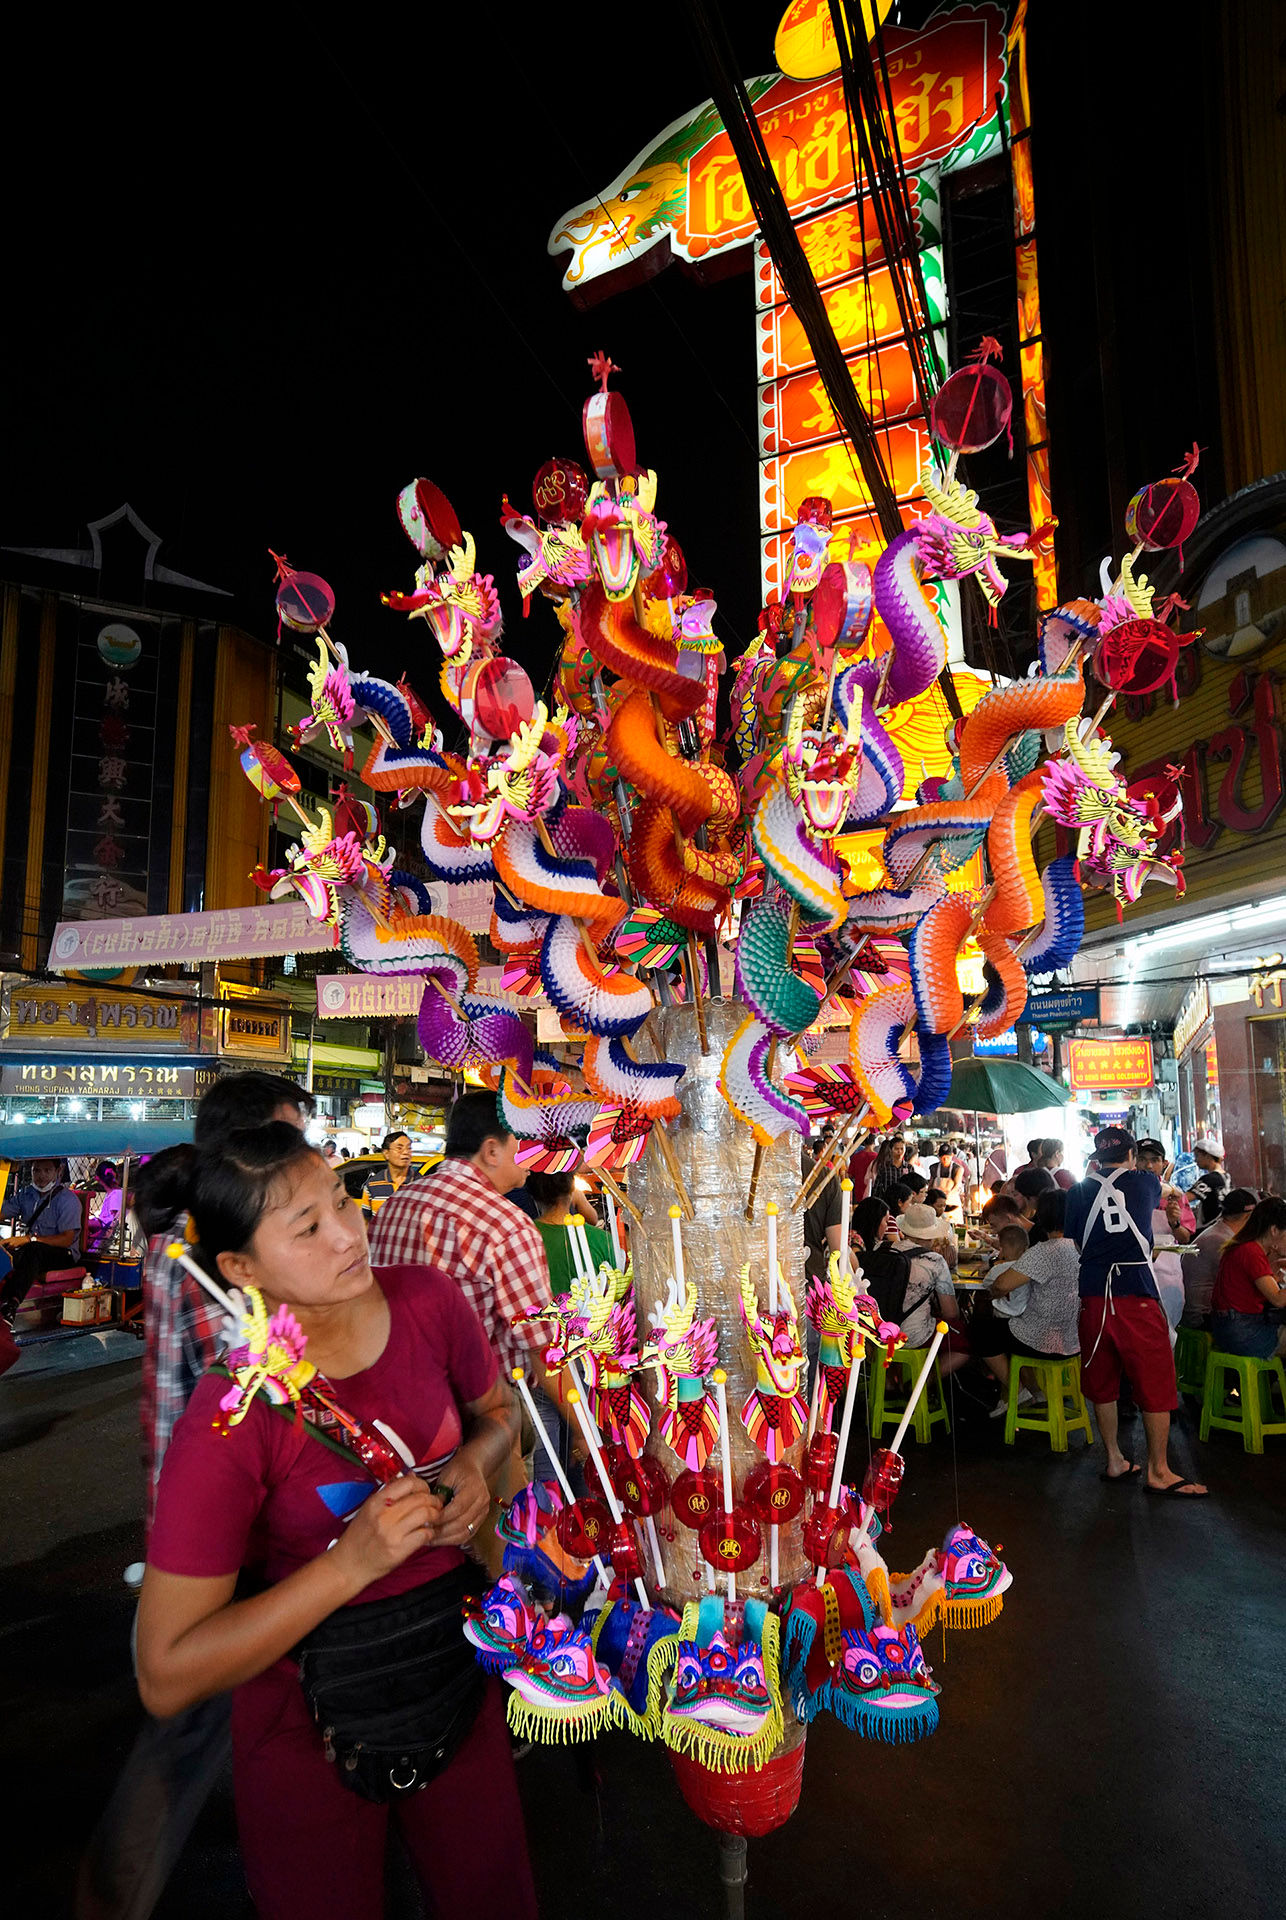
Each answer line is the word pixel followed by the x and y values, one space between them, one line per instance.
pixel 283 1551
pixel 1105 1268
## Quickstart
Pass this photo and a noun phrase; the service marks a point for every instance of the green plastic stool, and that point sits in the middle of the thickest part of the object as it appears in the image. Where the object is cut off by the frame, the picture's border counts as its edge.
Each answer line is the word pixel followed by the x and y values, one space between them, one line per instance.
pixel 1064 1411
pixel 886 1408
pixel 1252 1416
pixel 1192 1350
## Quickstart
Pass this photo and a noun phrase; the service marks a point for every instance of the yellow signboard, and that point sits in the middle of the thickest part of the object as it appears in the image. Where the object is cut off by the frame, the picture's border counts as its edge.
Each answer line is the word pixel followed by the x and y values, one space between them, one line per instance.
pixel 57 1015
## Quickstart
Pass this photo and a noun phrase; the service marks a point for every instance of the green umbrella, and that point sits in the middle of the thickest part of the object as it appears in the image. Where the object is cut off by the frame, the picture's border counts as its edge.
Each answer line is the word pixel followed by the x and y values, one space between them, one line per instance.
pixel 1002 1086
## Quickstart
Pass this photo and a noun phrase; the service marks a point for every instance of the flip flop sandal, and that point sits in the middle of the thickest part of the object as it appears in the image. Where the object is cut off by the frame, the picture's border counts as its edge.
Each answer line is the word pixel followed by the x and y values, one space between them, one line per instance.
pixel 1115 1479
pixel 1177 1486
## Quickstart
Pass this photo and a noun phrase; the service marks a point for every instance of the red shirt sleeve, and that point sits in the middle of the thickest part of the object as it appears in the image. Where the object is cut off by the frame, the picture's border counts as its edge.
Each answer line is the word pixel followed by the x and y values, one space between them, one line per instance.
pixel 212 1488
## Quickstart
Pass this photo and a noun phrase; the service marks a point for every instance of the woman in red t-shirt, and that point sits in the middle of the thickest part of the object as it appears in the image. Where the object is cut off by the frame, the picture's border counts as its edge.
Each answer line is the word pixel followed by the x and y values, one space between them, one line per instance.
pixel 402 1357
pixel 1246 1283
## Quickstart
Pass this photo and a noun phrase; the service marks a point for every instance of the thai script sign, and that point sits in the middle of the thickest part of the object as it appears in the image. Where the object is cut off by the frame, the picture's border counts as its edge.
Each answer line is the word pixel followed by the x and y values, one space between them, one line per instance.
pixel 237 933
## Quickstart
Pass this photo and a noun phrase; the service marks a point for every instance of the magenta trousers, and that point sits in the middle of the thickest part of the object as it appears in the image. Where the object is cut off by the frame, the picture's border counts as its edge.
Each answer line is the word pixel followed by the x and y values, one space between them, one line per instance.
pixel 310 1847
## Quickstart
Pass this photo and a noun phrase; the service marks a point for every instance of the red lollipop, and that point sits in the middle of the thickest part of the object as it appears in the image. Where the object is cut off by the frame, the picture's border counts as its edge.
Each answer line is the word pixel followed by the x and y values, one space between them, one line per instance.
pixel 819 1462
pixel 559 491
pixel 583 1527
pixel 623 1553
pixel 695 1496
pixel 669 576
pixel 731 1542
pixel 972 408
pixel 826 1535
pixel 773 1492
pixel 642 1485
pixel 883 1478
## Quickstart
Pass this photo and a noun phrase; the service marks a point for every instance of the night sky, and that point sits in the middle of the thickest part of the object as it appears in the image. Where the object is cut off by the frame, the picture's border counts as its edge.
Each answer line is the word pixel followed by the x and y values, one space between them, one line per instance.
pixel 265 270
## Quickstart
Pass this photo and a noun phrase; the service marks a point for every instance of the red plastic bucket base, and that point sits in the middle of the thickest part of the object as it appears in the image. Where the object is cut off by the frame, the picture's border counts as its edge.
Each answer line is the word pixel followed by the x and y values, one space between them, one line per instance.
pixel 752 1803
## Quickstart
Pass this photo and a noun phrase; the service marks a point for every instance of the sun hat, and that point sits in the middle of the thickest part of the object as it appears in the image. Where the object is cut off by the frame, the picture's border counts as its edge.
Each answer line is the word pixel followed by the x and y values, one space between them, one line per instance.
pixel 920 1223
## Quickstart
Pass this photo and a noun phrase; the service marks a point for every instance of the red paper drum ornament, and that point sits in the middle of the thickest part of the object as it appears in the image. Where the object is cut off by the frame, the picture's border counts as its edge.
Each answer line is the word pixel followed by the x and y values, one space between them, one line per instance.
pixel 1138 656
pixel 609 435
pixel 583 1527
pixel 972 408
pixel 429 521
pixel 695 1496
pixel 304 602
pixel 498 695
pixel 773 1492
pixel 1163 514
pixel 559 491
pixel 731 1542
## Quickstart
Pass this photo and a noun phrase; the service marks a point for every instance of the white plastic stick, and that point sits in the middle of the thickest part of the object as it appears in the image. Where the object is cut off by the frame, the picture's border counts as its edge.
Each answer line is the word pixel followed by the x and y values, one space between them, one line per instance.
pixel 772 1556
pixel 817 1394
pixel 939 1335
pixel 676 1233
pixel 719 1380
pixel 614 1228
pixel 520 1381
pixel 576 1242
pixel 845 1217
pixel 590 1435
pixel 582 1242
pixel 177 1251
pixel 845 1426
pixel 770 1212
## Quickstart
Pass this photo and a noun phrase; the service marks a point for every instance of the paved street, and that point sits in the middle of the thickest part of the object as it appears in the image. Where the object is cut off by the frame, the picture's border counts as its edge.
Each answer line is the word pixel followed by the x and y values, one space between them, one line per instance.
pixel 1111 1740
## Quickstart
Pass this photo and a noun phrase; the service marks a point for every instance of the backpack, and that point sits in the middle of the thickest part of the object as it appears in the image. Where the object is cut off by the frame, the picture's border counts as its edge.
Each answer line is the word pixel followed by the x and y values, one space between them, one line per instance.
pixel 886 1274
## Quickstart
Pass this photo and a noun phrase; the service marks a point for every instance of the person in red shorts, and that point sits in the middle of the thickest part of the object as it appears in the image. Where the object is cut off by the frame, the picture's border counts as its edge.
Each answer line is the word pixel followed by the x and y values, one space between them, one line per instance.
pixel 1122 1326
pixel 356 1697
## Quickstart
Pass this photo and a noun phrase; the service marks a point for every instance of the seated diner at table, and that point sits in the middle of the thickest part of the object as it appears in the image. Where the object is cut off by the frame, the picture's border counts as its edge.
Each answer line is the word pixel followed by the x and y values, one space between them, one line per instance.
pixel 1248 1283
pixel 1047 1329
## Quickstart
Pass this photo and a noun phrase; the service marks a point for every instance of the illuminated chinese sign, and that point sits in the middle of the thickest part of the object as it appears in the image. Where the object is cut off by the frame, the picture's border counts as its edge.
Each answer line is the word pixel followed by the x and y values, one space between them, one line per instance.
pixel 1109 1066
pixel 949 85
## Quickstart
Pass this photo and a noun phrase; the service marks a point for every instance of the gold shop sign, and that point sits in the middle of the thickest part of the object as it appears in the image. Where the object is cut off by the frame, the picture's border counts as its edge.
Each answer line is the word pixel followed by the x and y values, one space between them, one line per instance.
pixel 1193 1015
pixel 1266 981
pixel 44 1014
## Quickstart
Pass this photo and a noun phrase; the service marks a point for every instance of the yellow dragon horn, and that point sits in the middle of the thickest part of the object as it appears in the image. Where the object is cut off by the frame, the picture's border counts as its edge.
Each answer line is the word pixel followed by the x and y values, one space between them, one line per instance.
pixel 954 502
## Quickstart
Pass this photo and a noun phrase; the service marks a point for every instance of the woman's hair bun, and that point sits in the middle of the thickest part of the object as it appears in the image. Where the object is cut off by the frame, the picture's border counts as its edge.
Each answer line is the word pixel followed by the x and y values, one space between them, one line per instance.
pixel 163 1188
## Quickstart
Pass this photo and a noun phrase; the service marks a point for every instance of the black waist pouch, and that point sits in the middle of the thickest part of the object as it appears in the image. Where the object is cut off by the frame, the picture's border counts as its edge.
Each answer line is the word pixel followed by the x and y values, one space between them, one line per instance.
pixel 393 1685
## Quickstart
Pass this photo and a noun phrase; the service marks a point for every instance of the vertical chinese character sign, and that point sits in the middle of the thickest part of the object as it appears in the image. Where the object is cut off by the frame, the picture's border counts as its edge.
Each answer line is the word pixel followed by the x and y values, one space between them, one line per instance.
pixel 109 809
pixel 948 83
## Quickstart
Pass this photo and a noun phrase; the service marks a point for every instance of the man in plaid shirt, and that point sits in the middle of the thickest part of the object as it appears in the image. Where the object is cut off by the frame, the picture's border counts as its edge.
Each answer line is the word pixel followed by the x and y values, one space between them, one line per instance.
pixel 457 1218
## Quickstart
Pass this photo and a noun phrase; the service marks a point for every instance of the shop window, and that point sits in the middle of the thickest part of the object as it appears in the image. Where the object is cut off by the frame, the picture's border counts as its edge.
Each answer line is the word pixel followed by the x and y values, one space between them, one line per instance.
pixel 1268 1052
